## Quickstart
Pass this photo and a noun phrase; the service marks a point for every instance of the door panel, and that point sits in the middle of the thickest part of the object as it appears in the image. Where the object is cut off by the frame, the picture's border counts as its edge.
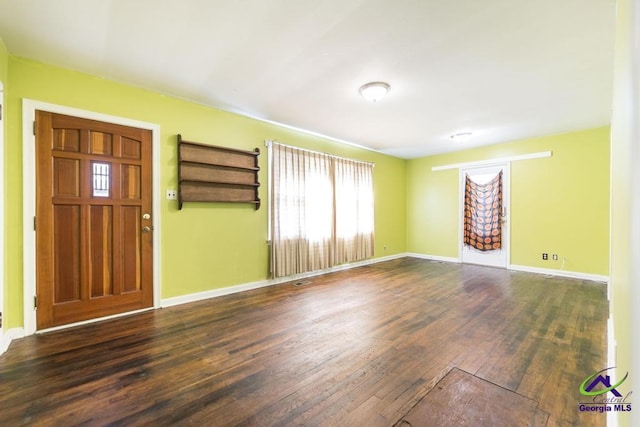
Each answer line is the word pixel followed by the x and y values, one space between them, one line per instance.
pixel 66 240
pixel 496 257
pixel 93 247
pixel 101 250
pixel 130 243
pixel 130 182
pixel 66 175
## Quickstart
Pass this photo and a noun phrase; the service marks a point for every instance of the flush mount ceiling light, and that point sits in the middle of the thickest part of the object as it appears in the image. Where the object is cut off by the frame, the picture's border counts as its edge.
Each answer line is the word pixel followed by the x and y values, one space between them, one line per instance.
pixel 374 91
pixel 461 136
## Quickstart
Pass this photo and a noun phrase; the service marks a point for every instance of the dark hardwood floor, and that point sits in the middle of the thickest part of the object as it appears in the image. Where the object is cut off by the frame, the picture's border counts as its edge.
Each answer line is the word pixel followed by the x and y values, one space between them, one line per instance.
pixel 354 348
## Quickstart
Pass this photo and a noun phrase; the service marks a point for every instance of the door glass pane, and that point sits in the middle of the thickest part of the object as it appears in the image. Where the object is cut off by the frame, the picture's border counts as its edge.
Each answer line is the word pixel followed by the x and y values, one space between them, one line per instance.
pixel 101 179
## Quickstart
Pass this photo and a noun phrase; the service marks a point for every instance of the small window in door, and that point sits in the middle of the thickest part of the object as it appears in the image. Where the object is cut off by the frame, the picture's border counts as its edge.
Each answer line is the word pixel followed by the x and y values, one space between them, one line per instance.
pixel 101 179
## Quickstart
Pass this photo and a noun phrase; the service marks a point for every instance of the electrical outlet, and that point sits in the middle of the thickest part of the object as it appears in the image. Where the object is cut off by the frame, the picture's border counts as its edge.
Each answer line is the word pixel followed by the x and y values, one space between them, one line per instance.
pixel 545 256
pixel 555 257
pixel 172 195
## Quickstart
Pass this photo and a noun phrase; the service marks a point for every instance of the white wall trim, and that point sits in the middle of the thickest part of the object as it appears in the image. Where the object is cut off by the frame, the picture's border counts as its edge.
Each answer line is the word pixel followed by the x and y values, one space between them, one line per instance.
pixel 199 296
pixel 29 108
pixel 561 273
pixel 10 335
pixel 491 162
pixel 524 268
pixel 2 241
pixel 213 293
pixel 433 257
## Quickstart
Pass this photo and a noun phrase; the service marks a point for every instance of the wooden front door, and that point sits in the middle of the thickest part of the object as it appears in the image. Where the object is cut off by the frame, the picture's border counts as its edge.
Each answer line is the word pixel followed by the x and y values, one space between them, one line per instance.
pixel 93 219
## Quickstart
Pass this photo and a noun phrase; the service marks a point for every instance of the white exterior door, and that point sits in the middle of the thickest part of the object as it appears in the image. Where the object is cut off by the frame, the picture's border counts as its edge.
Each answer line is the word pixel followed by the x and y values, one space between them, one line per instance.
pixel 471 255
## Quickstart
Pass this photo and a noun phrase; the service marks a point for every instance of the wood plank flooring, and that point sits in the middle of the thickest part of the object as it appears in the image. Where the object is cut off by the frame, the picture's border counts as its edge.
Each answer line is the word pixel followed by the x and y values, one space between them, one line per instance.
pixel 354 348
pixel 484 403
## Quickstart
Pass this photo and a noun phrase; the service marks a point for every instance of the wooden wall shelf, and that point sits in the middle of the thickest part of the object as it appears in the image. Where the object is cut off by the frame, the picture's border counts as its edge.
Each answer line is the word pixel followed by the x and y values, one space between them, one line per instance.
pixel 208 173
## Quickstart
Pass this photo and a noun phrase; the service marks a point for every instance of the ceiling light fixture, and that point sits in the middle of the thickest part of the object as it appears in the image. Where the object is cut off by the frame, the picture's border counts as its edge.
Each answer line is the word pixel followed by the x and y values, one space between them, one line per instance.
pixel 374 91
pixel 461 136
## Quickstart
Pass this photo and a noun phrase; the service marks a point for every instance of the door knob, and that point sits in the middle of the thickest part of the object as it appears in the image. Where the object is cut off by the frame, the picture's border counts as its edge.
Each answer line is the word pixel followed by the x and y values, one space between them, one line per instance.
pixel 146 229
pixel 146 216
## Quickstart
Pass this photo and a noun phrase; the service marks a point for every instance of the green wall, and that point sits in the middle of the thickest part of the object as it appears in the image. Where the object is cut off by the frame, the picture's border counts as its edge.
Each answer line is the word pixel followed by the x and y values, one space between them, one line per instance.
pixel 558 204
pixel 4 66
pixel 4 61
pixel 204 246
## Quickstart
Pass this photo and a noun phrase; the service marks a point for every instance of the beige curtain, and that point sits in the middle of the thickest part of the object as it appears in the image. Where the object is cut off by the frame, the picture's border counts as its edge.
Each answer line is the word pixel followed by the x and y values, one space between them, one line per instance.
pixel 354 210
pixel 321 210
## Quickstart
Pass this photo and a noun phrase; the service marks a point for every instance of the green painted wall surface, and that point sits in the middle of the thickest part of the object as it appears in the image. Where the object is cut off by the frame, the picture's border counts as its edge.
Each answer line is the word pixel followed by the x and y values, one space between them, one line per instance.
pixel 558 204
pixel 4 62
pixel 4 66
pixel 204 246
pixel 432 210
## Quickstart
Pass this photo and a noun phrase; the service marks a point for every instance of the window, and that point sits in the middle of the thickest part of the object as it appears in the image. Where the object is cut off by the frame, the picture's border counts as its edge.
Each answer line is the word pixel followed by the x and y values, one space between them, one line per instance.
pixel 321 210
pixel 101 179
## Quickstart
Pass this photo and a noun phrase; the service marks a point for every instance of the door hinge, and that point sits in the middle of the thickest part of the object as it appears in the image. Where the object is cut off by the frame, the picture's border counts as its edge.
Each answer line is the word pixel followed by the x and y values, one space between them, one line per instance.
pixel 34 223
pixel 0 320
pixel 35 302
pixel 34 127
pixel 0 111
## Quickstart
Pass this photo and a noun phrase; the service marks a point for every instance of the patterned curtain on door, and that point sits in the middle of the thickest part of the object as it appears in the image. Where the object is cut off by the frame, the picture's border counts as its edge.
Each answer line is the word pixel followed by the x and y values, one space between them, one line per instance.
pixel 482 214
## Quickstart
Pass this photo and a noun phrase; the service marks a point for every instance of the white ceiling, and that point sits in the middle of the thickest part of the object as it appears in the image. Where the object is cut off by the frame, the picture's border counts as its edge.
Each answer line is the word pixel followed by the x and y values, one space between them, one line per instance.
pixel 502 69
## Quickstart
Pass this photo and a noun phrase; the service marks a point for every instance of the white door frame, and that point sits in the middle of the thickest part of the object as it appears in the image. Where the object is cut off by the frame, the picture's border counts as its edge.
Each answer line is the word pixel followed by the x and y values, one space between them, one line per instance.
pixel 2 242
pixel 506 203
pixel 29 108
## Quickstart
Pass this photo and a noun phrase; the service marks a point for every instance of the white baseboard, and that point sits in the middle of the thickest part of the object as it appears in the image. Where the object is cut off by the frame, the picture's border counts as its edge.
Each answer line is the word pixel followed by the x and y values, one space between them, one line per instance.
pixel 10 335
pixel 545 271
pixel 433 257
pixel 199 296
pixel 561 273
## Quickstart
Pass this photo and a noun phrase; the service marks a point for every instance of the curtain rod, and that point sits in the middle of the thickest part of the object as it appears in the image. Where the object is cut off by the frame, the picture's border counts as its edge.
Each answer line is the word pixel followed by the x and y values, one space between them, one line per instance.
pixel 539 155
pixel 269 142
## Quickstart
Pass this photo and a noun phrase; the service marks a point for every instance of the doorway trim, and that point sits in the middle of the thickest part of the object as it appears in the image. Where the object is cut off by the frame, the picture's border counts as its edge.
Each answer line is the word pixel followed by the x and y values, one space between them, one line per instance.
pixel 2 202
pixel 29 108
pixel 491 162
pixel 506 203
